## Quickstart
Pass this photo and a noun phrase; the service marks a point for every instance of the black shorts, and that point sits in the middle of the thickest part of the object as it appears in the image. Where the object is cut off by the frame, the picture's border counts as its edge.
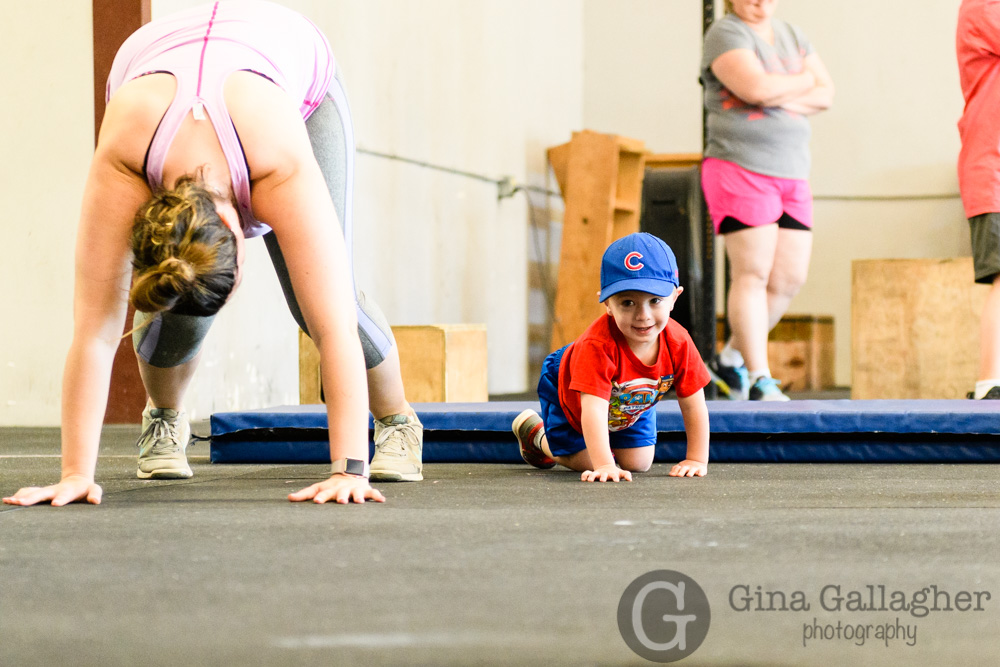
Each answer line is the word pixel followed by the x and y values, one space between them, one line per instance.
pixel 731 224
pixel 985 232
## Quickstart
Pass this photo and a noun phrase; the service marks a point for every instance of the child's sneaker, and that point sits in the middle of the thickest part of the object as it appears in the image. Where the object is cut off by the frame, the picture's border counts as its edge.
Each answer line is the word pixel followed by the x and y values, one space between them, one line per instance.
pixel 165 436
pixel 766 389
pixel 732 381
pixel 528 427
pixel 399 445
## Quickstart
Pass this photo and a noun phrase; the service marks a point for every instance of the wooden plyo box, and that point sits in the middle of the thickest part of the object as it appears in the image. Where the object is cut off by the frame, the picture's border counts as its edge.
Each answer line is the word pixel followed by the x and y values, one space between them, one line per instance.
pixel 443 363
pixel 310 380
pixel 800 351
pixel 914 328
pixel 440 363
pixel 600 177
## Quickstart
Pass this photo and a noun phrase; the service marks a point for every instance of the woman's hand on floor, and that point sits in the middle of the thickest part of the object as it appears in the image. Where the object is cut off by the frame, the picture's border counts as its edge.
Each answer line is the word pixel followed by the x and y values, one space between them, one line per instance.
pixel 339 488
pixel 66 491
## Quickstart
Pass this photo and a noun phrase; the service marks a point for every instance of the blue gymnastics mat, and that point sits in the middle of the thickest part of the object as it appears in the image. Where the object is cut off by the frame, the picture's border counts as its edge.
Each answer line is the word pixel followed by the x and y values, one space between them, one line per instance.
pixel 840 431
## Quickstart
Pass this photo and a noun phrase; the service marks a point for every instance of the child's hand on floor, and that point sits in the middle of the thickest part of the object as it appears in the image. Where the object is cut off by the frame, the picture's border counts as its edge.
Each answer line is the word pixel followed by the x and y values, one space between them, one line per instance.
pixel 689 468
pixel 606 473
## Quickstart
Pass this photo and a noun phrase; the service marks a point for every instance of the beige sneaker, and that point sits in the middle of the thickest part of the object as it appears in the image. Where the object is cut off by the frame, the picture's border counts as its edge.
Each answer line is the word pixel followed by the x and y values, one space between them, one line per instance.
pixel 399 444
pixel 165 436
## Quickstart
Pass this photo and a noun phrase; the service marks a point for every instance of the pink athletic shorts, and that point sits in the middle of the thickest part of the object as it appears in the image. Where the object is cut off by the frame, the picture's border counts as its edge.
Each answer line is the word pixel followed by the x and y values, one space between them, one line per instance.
pixel 753 199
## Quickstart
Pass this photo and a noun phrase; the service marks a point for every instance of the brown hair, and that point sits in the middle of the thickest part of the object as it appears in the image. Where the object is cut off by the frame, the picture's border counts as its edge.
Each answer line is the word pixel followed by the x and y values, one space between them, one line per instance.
pixel 183 253
pixel 728 6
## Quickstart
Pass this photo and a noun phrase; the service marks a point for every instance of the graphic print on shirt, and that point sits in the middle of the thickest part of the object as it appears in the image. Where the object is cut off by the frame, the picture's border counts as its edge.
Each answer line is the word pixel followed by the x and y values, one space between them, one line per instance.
pixel 772 64
pixel 630 399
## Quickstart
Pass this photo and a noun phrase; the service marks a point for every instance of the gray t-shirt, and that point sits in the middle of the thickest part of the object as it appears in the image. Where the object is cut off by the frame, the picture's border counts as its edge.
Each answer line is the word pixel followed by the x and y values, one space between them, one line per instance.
pixel 765 140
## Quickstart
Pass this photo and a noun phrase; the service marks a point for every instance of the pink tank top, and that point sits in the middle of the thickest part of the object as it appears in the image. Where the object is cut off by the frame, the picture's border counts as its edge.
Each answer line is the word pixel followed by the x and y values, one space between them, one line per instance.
pixel 201 47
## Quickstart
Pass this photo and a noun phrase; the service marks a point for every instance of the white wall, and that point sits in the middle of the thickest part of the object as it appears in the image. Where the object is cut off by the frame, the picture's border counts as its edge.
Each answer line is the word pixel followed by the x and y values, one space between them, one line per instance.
pixel 47 139
pixel 641 71
pixel 478 86
pixel 891 132
pixel 482 86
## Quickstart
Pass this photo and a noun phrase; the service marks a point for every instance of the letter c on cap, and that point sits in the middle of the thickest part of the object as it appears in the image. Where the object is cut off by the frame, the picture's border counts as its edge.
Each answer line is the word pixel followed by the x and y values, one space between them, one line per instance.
pixel 632 263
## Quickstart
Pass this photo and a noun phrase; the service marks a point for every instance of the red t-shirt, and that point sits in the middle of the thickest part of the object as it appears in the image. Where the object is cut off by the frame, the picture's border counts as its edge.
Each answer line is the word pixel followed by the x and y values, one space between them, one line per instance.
pixel 601 363
pixel 978 46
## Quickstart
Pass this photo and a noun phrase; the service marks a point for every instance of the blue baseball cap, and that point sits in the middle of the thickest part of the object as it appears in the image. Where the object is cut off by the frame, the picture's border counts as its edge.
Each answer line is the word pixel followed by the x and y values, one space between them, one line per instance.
pixel 641 262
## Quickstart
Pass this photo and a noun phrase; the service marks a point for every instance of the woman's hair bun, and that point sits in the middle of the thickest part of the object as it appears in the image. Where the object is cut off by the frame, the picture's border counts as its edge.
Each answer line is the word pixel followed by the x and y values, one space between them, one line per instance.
pixel 183 253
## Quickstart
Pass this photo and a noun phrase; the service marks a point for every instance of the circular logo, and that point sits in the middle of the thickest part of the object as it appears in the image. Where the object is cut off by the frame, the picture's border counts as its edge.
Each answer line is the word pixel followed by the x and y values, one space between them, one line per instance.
pixel 664 616
pixel 632 262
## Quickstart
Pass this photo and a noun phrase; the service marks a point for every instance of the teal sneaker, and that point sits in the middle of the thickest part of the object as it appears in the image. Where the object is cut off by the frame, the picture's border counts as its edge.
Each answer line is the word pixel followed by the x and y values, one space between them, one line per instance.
pixel 766 389
pixel 733 382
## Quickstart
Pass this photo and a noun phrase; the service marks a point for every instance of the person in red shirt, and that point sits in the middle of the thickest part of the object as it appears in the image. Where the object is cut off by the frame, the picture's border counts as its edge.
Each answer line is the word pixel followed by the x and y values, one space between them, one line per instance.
pixel 978 47
pixel 598 394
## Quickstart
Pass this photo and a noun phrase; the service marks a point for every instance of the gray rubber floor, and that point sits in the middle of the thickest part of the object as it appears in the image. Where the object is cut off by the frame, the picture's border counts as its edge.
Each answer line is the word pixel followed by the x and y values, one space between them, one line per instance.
pixel 485 564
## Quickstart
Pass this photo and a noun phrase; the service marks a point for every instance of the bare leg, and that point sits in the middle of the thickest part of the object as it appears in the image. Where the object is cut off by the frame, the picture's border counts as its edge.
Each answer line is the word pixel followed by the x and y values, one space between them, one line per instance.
pixel 580 461
pixel 166 386
pixel 989 335
pixel 751 254
pixel 788 274
pixel 635 459
pixel 385 388
pixel 398 433
pixel 165 436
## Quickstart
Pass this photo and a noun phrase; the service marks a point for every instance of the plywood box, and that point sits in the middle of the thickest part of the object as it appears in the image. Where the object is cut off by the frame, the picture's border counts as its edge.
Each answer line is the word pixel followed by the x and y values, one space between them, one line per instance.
pixel 443 363
pixel 439 363
pixel 310 383
pixel 914 328
pixel 800 351
pixel 600 176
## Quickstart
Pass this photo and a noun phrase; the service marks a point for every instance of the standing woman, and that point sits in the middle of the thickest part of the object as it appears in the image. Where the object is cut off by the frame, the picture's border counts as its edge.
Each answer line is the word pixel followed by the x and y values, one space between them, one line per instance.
pixel 224 122
pixel 761 78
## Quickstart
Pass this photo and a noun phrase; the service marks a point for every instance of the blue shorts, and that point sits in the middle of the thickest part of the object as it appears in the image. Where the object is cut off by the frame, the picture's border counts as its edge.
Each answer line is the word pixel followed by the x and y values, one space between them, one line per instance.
pixel 563 438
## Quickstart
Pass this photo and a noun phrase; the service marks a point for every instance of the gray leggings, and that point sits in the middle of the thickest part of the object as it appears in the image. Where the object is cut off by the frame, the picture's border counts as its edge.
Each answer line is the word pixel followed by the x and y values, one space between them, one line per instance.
pixel 171 340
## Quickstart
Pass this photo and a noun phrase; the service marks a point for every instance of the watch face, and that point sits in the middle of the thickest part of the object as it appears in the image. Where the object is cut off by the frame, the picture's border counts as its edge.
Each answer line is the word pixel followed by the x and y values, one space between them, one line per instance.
pixel 351 467
pixel 354 467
